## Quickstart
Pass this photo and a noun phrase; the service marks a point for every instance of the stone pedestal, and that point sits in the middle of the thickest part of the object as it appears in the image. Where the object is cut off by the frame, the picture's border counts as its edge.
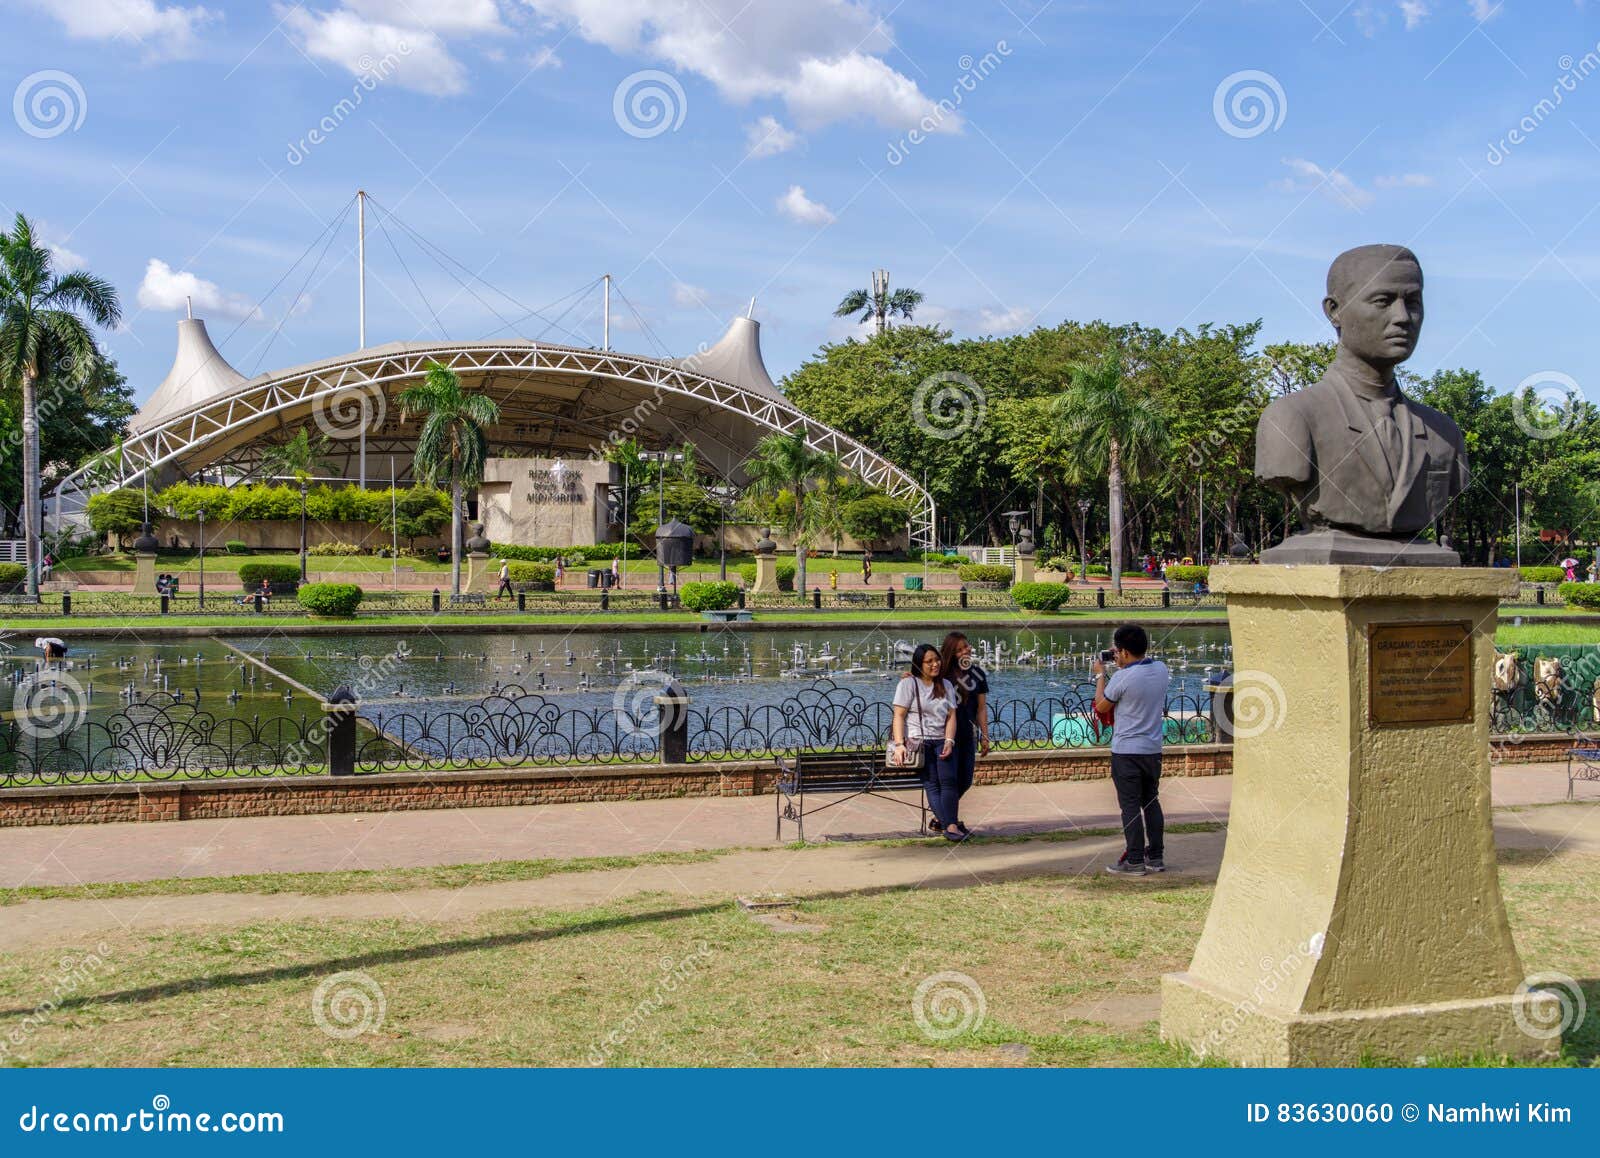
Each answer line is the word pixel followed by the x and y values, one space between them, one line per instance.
pixel 1023 571
pixel 144 573
pixel 1358 909
pixel 483 575
pixel 766 574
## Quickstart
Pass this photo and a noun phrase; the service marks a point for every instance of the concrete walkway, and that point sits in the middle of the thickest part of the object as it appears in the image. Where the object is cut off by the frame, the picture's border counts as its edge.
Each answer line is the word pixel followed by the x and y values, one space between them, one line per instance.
pixel 91 853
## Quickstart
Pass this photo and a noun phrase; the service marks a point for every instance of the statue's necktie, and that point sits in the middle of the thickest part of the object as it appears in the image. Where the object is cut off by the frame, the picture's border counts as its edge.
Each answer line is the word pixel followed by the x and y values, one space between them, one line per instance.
pixel 1388 431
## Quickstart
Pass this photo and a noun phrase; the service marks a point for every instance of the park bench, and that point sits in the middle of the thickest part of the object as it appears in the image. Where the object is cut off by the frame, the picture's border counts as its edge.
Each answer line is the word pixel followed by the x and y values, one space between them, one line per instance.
pixel 1583 763
pixel 727 615
pixel 845 774
pixel 861 597
pixel 18 599
pixel 476 599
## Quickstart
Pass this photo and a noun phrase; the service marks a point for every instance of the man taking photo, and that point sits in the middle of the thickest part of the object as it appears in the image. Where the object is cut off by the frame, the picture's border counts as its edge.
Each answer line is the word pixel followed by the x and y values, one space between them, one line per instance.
pixel 1137 693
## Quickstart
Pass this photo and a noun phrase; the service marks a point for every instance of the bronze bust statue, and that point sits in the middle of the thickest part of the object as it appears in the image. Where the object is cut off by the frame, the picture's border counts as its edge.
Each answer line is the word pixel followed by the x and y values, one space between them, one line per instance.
pixel 1367 469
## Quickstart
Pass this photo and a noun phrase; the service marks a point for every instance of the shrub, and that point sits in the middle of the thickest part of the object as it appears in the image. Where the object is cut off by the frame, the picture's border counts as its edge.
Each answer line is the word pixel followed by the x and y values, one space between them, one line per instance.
pixel 710 596
pixel 587 552
pixel 747 572
pixel 1580 594
pixel 1188 575
pixel 1059 563
pixel 237 547
pixel 951 560
pixel 1543 575
pixel 539 573
pixel 876 517
pixel 336 549
pixel 336 599
pixel 251 574
pixel 118 512
pixel 984 573
pixel 12 572
pixel 1040 596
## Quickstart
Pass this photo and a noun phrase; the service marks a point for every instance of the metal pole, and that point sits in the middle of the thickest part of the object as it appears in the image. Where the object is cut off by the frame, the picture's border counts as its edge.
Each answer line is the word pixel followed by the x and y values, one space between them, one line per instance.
pixel 202 513
pixel 1202 520
pixel 661 516
pixel 606 336
pixel 394 528
pixel 622 576
pixel 361 311
pixel 1518 494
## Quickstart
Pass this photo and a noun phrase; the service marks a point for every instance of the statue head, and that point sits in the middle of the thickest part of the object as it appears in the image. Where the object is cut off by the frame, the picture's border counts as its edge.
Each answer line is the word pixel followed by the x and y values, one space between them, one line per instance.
pixel 1375 303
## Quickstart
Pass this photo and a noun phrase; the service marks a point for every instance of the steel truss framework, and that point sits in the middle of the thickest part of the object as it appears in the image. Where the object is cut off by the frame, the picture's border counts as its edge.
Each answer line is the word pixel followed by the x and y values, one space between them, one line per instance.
pixel 231 430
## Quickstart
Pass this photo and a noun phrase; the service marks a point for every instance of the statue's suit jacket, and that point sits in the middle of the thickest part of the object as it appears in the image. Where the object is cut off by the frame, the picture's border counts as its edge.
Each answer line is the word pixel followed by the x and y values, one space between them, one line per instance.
pixel 1319 444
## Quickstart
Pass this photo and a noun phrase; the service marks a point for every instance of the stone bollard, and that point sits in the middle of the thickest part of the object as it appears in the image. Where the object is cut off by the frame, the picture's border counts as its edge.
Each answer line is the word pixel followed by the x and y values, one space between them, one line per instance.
pixel 963 597
pixel 66 604
pixel 889 596
pixel 164 600
pixel 341 715
pixel 435 600
pixel 672 724
pixel 522 601
pixel 1100 597
pixel 605 599
pixel 816 598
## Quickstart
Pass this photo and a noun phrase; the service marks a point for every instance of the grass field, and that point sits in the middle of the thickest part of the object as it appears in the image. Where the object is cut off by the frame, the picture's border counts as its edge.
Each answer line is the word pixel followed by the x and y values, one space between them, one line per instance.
pixel 1068 968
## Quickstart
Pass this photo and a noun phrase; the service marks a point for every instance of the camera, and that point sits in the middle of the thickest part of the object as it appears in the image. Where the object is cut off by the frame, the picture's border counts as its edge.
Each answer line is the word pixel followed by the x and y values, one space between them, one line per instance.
pixel 1108 657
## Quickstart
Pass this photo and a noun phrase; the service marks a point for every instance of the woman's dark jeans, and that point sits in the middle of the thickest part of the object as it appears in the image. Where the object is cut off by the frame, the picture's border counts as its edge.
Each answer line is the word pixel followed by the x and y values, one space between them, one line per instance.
pixel 966 759
pixel 941 781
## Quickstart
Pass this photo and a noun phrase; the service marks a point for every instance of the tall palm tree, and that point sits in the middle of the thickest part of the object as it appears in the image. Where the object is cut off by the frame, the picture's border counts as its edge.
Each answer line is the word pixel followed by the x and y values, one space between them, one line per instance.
pixel 878 304
pixel 1116 431
pixel 452 443
pixel 786 463
pixel 43 323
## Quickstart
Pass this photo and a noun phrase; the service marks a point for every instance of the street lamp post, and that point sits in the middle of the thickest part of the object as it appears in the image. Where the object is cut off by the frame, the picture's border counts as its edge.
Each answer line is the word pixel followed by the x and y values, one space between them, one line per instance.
pixel 661 517
pixel 202 516
pixel 302 530
pixel 1083 536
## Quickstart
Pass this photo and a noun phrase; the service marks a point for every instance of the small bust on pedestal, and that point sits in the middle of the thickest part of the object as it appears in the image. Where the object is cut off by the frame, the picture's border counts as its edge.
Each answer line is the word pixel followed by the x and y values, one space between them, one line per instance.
pixel 478 554
pixel 1367 469
pixel 766 563
pixel 1025 553
pixel 144 555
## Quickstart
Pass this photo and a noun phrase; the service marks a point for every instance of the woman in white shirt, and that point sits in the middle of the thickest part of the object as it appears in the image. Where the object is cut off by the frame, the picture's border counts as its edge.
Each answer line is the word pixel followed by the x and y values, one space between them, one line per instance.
pixel 925 715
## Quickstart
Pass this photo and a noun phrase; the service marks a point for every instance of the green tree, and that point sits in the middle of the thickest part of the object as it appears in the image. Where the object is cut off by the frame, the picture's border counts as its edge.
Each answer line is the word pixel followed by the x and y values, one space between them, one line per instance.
pixel 453 444
pixel 416 513
pixel 44 331
pixel 876 517
pixel 1117 431
pixel 119 512
pixel 298 458
pixel 786 462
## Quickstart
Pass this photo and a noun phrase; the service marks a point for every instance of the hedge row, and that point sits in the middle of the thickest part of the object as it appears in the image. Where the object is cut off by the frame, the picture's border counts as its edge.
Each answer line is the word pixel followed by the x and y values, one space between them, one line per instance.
pixel 984 573
pixel 335 599
pixel 1189 574
pixel 1580 594
pixel 708 596
pixel 13 572
pixel 1040 596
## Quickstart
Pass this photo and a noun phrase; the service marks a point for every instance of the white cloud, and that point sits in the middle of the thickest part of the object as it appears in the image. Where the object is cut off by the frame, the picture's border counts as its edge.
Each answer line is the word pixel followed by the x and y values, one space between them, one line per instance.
pixel 1309 175
pixel 684 294
pixel 63 258
pixel 1414 11
pixel 446 17
pixel 1483 9
pixel 165 288
pixel 1404 181
pixel 1006 321
pixel 823 59
pixel 348 39
pixel 796 206
pixel 543 57
pixel 768 137
pixel 162 32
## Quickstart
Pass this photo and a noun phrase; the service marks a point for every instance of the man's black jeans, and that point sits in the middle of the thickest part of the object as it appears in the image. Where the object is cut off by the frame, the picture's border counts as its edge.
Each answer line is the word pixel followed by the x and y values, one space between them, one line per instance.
pixel 1137 780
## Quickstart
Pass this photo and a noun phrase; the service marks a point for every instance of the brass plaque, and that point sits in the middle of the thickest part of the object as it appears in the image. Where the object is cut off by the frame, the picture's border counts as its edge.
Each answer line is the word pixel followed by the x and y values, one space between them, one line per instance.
pixel 1419 673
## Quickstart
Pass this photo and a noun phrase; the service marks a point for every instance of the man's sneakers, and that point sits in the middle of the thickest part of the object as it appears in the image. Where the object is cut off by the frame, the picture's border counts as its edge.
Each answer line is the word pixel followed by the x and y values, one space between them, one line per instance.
pixel 1154 864
pixel 1126 868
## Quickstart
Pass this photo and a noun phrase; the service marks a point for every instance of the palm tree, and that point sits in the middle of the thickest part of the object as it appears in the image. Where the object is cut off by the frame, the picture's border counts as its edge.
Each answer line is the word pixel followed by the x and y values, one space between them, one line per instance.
pixel 1115 431
pixel 42 323
pixel 452 443
pixel 298 458
pixel 786 463
pixel 878 303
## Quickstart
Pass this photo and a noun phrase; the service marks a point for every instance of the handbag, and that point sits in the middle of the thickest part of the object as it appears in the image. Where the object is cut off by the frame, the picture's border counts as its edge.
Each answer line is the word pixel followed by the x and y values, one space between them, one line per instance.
pixel 916 756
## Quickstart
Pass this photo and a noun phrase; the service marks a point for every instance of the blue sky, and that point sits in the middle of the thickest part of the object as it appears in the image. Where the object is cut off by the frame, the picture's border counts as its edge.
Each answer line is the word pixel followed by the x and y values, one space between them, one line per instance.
pixel 1098 166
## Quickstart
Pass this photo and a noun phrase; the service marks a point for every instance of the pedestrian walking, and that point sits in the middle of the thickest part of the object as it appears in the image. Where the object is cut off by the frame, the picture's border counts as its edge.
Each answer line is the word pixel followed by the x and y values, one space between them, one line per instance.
pixel 505 580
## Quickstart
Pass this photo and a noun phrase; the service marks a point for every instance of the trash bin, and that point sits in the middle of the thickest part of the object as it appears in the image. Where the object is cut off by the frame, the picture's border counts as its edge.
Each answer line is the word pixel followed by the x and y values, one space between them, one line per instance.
pixel 913 582
pixel 606 579
pixel 594 577
pixel 444 554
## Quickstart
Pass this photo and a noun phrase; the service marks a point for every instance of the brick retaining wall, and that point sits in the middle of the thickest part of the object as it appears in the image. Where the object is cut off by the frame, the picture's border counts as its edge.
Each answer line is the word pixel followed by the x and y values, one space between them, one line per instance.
pixel 406 791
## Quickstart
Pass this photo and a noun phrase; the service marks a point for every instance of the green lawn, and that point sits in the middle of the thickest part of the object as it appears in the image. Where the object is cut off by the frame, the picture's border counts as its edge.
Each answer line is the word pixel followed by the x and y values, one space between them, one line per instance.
pixel 1069 969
